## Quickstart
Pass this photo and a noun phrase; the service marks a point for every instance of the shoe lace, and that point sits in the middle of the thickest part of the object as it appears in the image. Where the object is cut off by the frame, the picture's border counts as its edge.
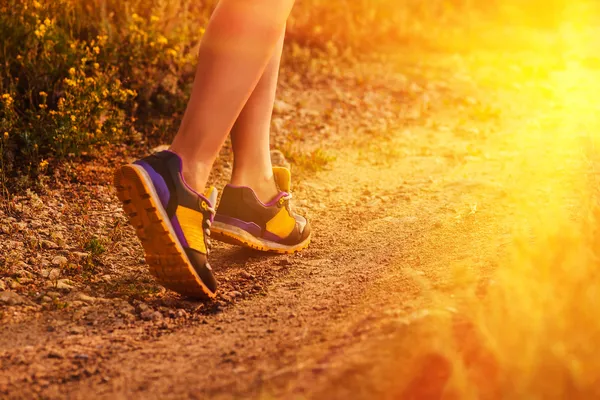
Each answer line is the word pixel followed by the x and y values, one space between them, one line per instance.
pixel 207 225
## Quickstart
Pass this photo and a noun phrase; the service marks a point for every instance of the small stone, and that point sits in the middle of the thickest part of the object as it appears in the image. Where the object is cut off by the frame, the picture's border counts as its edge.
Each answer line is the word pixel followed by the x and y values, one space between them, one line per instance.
pixel 77 330
pixel 46 299
pixel 80 256
pixel 127 309
pixel 20 226
pixel 257 287
pixel 181 313
pixel 22 269
pixel 53 295
pixel 2 285
pixel 82 356
pixel 55 354
pixel 235 294
pixel 107 278
pixel 47 244
pixel 282 107
pixel 5 229
pixel 62 284
pixel 59 261
pixel 247 275
pixel 150 315
pixel 11 283
pixel 45 273
pixel 84 298
pixel 142 307
pixel 12 299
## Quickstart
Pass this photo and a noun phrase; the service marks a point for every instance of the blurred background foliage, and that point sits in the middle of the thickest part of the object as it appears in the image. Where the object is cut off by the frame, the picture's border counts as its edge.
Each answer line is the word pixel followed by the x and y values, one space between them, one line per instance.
pixel 78 74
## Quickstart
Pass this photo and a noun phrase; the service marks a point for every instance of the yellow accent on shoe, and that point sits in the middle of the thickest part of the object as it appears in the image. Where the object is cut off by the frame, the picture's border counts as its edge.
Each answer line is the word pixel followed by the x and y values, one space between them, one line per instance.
pixel 282 224
pixel 191 225
pixel 283 178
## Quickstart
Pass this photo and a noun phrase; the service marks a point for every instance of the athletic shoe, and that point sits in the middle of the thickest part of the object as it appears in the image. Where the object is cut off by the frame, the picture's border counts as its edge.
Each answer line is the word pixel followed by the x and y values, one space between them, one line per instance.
pixel 242 219
pixel 172 221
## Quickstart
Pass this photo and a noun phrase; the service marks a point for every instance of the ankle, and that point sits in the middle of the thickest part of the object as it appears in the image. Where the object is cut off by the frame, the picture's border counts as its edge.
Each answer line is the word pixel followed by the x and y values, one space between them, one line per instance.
pixel 263 184
pixel 195 174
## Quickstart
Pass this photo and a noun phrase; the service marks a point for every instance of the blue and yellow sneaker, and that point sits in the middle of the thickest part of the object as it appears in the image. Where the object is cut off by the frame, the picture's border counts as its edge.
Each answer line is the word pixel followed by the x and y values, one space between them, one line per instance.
pixel 172 221
pixel 242 219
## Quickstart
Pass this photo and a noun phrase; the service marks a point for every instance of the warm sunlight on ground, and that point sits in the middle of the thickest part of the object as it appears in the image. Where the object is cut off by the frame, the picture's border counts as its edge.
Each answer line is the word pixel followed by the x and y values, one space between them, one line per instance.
pixel 536 326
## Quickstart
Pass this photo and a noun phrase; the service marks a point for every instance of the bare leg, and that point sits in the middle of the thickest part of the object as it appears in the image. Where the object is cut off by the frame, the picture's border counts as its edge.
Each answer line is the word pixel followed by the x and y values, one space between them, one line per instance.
pixel 235 50
pixel 250 135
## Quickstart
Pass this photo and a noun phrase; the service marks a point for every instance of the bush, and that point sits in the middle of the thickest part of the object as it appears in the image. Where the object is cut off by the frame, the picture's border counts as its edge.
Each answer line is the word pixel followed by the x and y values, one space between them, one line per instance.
pixel 78 75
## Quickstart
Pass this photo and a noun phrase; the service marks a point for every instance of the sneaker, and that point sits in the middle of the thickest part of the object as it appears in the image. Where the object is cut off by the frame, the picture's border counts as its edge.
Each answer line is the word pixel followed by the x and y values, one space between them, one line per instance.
pixel 172 221
pixel 242 219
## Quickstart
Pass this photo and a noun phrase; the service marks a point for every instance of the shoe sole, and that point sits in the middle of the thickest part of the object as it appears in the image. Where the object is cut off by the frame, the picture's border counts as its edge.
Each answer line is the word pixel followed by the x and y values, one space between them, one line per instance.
pixel 165 256
pixel 237 236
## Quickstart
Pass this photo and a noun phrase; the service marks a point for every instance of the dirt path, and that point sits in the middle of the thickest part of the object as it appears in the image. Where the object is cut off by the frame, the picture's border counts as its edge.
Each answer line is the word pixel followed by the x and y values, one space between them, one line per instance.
pixel 403 216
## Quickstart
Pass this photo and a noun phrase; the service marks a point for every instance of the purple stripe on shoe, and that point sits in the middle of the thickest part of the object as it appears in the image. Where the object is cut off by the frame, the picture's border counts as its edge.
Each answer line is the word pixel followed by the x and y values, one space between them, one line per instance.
pixel 249 227
pixel 159 183
pixel 163 193
pixel 271 237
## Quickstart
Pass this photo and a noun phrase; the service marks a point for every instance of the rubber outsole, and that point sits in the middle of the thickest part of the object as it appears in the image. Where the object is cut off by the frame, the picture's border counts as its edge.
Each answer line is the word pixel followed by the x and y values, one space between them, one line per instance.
pixel 237 236
pixel 165 256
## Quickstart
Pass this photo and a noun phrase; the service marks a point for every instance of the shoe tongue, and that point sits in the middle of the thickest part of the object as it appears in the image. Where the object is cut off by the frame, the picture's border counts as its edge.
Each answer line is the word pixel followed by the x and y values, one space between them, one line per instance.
pixel 211 195
pixel 283 178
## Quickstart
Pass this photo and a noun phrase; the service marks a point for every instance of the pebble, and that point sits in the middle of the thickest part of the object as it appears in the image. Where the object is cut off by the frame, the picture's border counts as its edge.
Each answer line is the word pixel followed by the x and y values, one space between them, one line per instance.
pixel 53 295
pixel 247 275
pixel 80 256
pixel 46 299
pixel 23 267
pixel 47 244
pixel 142 307
pixel 12 299
pixel 61 284
pixel 84 298
pixel 76 330
pixel 2 285
pixel 11 283
pixel 59 261
pixel 235 294
pixel 150 315
pixel 281 107
pixel 55 354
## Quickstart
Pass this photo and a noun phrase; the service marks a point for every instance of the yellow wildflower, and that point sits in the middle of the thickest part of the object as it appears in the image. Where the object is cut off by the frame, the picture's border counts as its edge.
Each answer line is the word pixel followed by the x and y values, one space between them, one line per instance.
pixel 7 99
pixel 96 49
pixel 72 71
pixel 70 82
pixel 96 65
pixel 73 118
pixel 36 4
pixel 43 164
pixel 5 135
pixel 43 94
pixel 47 22
pixel 154 18
pixel 162 40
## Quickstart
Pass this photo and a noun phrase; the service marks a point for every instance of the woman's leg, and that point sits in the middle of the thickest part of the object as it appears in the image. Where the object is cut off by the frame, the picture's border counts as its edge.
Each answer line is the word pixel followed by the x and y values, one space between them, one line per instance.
pixel 235 50
pixel 250 135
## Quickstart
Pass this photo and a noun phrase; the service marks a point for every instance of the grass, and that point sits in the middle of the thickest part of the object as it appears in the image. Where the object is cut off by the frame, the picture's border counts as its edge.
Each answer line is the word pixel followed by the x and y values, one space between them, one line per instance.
pixel 307 161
